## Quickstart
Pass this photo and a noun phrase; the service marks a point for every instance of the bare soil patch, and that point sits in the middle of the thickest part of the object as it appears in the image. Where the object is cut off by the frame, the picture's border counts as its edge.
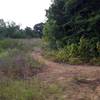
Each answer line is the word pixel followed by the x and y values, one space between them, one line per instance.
pixel 80 82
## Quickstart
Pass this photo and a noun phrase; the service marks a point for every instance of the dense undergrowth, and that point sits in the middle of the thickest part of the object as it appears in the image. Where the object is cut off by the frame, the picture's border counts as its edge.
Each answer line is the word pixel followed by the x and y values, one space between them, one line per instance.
pixel 72 29
pixel 85 52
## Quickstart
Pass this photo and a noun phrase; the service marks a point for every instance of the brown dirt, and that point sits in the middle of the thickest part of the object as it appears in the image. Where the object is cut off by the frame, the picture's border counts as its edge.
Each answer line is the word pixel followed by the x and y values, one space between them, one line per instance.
pixel 56 71
pixel 79 82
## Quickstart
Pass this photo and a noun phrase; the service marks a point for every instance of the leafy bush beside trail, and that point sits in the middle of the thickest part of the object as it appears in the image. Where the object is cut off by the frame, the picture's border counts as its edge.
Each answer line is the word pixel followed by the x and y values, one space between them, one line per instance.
pixel 84 52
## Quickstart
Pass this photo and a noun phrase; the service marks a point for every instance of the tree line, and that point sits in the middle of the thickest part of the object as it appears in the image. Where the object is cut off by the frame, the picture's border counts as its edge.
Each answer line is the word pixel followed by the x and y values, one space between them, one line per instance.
pixel 11 30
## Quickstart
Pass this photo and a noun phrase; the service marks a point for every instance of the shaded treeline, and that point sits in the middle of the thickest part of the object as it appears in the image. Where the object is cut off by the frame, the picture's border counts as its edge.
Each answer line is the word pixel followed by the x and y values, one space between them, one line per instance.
pixel 11 30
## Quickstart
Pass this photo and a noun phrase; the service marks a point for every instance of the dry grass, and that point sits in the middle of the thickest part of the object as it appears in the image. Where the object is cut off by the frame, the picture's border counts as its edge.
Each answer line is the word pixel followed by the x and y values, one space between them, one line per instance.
pixel 23 78
pixel 77 82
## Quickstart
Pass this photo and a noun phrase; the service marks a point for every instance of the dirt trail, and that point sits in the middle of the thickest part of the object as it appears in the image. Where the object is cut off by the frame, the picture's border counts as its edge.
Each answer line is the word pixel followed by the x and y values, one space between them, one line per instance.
pixel 55 71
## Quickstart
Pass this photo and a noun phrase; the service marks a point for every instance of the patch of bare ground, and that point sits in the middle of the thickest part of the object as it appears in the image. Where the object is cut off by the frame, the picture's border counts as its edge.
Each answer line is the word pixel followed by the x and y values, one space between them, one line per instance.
pixel 79 82
pixel 62 71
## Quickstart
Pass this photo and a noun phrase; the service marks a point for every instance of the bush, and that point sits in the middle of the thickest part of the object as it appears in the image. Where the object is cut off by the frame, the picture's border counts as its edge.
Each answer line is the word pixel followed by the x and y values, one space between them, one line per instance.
pixel 9 44
pixel 75 61
pixel 15 60
pixel 84 52
pixel 95 61
pixel 62 55
pixel 16 64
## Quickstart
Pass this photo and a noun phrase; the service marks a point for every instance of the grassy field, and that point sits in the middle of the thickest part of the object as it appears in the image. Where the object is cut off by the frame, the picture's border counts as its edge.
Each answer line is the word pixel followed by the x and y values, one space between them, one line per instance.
pixel 18 72
pixel 17 67
pixel 24 78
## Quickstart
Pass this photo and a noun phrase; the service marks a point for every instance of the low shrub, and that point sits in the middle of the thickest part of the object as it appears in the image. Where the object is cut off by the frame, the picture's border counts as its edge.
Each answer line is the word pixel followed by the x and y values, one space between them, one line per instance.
pixel 9 44
pixel 95 61
pixel 75 61
pixel 16 61
pixel 84 52
pixel 17 64
pixel 62 55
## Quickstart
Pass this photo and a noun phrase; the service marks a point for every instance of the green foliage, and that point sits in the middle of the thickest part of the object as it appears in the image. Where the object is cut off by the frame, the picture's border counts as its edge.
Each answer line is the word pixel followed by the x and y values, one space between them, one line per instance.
pixel 84 48
pixel 9 44
pixel 18 73
pixel 48 30
pixel 38 29
pixel 62 56
pixel 65 54
pixel 95 61
pixel 84 52
pixel 17 70
pixel 15 61
pixel 29 90
pixel 11 30
pixel 73 27
pixel 76 61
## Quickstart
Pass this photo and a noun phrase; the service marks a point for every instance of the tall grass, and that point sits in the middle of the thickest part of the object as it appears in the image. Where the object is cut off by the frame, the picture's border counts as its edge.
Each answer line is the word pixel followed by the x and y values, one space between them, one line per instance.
pixel 18 69
pixel 29 90
pixel 15 59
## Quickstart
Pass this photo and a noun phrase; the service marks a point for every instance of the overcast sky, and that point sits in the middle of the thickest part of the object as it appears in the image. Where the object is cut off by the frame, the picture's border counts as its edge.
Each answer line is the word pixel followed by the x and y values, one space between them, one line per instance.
pixel 25 12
